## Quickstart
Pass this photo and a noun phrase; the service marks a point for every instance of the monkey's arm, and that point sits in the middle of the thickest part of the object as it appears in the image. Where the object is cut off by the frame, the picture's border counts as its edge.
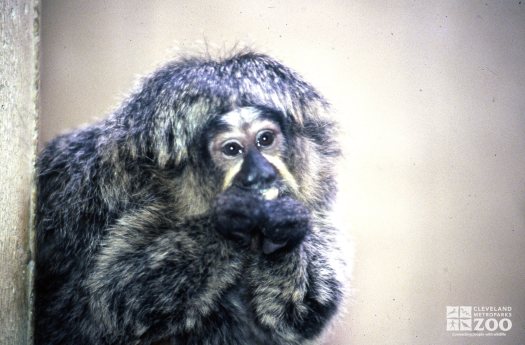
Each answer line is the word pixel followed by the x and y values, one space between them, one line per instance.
pixel 156 277
pixel 296 292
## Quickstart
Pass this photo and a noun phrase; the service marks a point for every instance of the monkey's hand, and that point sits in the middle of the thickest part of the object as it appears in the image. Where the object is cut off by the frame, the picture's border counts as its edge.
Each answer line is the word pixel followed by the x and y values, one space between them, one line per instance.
pixel 238 215
pixel 286 224
pixel 245 217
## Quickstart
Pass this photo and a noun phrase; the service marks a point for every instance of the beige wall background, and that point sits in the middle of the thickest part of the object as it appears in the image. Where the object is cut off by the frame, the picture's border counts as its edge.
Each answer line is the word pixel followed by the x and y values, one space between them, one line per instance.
pixel 431 95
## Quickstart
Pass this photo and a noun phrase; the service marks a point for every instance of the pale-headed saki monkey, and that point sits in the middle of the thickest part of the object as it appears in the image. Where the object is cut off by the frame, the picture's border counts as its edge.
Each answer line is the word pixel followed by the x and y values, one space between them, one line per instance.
pixel 197 213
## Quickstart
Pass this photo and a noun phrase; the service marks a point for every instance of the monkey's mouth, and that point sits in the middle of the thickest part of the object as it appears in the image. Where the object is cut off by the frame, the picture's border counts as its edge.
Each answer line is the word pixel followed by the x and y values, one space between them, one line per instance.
pixel 266 193
pixel 269 193
pixel 277 189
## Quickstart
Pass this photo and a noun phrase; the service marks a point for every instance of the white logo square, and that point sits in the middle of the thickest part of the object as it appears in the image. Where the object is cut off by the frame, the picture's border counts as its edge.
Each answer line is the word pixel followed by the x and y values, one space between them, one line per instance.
pixel 452 325
pixel 465 312
pixel 452 311
pixel 465 324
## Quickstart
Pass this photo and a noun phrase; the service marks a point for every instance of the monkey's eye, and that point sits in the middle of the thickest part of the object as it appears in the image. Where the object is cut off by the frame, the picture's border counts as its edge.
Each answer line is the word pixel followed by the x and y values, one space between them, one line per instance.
pixel 265 138
pixel 232 149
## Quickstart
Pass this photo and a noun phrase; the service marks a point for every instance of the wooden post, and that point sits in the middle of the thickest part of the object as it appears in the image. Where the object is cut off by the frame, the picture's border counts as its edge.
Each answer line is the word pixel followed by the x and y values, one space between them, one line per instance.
pixel 19 38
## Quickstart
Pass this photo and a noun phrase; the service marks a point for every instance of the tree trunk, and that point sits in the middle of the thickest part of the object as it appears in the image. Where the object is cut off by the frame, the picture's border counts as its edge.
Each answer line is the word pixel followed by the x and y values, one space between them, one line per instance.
pixel 19 39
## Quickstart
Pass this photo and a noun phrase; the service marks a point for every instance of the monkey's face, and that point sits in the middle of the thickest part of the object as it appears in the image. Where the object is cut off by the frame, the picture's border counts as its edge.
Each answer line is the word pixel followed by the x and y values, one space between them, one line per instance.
pixel 248 148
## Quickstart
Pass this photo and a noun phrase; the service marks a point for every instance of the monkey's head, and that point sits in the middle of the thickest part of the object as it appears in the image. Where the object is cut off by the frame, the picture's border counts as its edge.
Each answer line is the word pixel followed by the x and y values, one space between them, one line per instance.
pixel 245 122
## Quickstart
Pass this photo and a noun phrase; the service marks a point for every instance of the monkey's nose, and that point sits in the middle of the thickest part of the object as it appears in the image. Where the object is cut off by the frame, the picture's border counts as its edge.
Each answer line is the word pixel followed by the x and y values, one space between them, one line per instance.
pixel 256 172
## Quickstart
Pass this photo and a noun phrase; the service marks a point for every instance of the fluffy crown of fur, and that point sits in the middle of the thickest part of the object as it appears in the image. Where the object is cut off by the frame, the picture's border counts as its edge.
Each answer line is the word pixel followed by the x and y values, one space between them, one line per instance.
pixel 165 120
